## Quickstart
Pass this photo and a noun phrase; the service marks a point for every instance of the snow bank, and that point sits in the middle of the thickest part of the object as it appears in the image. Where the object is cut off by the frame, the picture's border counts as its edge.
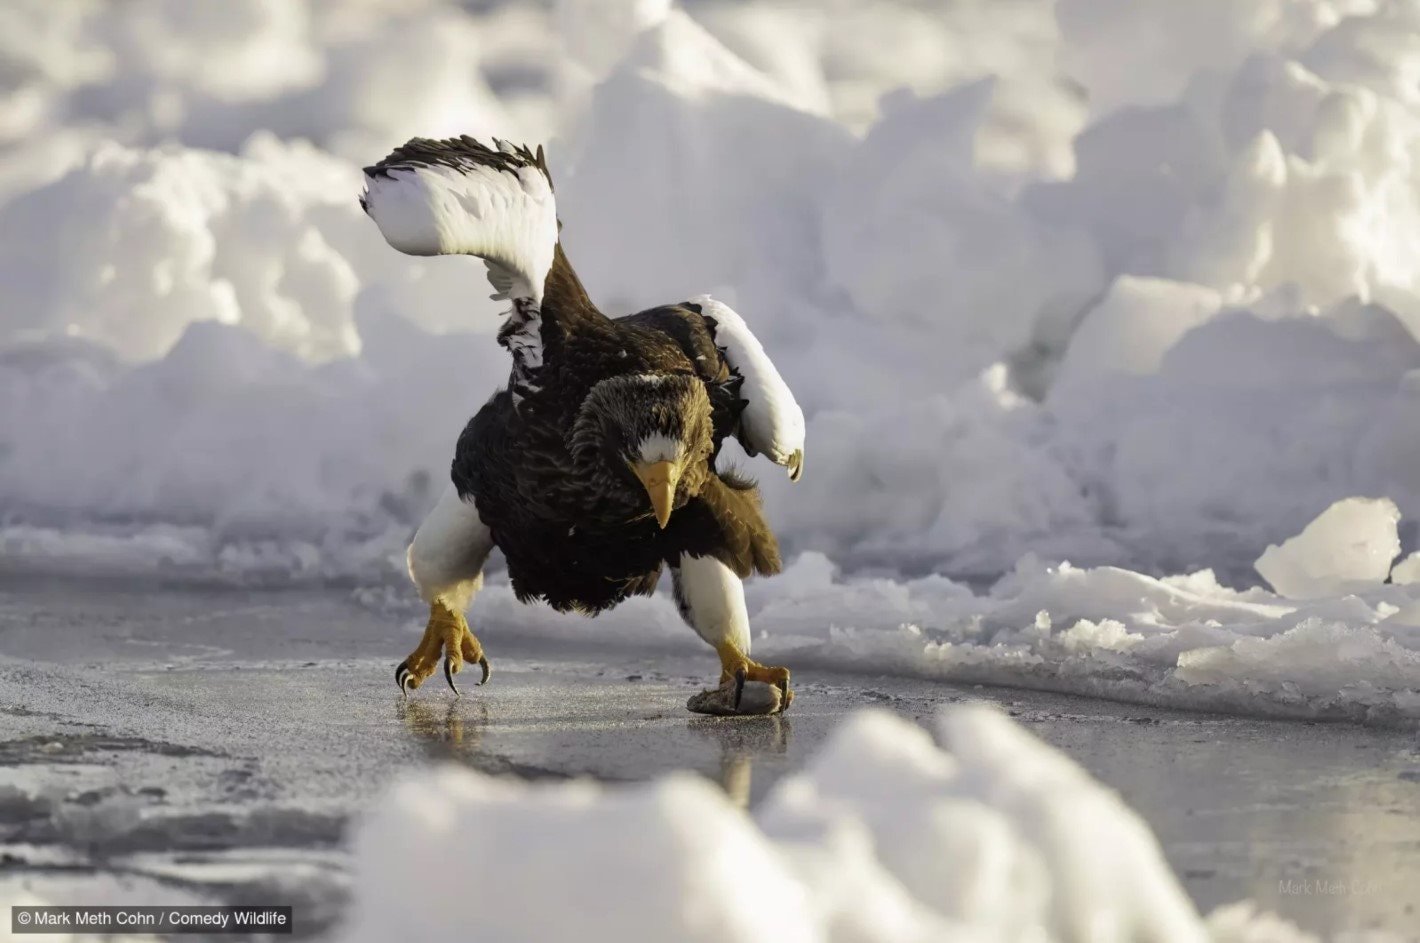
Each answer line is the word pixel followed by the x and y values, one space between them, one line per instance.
pixel 998 354
pixel 883 837
pixel 1253 423
pixel 1182 641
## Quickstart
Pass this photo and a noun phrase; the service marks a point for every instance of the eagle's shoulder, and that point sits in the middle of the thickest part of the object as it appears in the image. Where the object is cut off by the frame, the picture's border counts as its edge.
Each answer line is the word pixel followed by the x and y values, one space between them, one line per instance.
pixel 682 327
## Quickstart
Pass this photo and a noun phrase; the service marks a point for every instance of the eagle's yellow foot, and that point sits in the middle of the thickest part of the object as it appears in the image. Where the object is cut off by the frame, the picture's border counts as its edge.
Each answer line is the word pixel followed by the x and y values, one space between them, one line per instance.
pixel 447 632
pixel 736 668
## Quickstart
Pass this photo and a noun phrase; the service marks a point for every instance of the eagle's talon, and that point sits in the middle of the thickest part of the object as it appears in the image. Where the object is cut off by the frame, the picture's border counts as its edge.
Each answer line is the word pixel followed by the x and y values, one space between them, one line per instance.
pixel 786 697
pixel 487 671
pixel 448 634
pixel 404 678
pixel 795 465
pixel 736 668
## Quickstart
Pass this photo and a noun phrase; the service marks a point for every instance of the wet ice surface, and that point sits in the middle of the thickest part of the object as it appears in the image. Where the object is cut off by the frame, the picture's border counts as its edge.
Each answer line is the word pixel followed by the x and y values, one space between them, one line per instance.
pixel 160 745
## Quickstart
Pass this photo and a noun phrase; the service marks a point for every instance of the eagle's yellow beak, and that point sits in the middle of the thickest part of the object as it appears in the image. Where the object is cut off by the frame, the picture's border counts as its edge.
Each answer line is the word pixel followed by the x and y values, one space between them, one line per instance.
pixel 659 480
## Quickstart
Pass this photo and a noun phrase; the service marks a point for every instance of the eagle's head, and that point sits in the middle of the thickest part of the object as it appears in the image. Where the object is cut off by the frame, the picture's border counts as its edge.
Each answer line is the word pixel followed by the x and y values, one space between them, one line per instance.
pixel 647 431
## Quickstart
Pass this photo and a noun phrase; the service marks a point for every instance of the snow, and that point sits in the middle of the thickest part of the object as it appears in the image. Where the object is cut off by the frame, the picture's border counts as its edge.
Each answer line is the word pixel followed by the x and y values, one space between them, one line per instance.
pixel 1183 641
pixel 1131 328
pixel 170 237
pixel 1087 305
pixel 884 836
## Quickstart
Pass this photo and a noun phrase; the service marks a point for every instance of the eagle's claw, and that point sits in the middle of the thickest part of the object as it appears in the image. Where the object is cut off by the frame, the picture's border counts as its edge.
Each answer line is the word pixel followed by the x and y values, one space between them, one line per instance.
pixel 448 634
pixel 795 464
pixel 769 693
pixel 449 673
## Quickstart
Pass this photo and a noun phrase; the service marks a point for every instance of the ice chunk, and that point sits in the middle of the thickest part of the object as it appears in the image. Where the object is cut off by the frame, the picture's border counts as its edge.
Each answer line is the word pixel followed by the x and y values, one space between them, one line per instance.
pixel 1407 571
pixel 1348 548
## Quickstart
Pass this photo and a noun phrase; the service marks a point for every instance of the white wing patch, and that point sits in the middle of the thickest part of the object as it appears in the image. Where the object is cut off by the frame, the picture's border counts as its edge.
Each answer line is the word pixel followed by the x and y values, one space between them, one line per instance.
pixel 506 216
pixel 772 421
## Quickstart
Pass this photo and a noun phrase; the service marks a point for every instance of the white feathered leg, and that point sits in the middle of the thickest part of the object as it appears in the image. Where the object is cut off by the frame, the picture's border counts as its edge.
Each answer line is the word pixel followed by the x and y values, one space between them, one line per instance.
pixel 711 599
pixel 446 564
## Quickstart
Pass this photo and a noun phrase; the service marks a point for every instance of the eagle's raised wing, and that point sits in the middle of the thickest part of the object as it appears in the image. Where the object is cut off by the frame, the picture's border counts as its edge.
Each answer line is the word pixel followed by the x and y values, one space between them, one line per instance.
pixel 460 197
pixel 772 422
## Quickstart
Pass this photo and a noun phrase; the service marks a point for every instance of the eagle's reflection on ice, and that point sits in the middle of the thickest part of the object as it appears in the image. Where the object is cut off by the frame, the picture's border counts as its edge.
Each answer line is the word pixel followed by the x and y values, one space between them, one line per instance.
pixel 742 740
pixel 446 729
pixel 729 747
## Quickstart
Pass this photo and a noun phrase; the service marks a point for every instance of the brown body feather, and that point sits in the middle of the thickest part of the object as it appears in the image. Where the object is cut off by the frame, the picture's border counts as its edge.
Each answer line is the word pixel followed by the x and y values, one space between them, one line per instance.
pixel 576 532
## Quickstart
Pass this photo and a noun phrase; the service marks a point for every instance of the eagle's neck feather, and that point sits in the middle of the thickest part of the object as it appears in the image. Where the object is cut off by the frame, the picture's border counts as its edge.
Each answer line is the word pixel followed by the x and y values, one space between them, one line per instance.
pixel 537 326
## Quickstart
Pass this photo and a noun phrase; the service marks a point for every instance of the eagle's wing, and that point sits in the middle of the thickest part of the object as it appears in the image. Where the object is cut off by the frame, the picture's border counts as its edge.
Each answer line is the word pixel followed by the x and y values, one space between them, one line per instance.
pixel 772 422
pixel 460 197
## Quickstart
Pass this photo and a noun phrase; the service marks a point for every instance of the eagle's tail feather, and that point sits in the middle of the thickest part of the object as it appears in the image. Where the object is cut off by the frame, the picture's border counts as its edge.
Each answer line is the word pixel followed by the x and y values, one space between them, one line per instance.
pixel 461 197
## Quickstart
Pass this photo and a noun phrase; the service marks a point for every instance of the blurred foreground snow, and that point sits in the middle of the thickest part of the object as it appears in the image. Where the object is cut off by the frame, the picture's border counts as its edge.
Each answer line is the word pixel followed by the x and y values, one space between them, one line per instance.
pixel 886 837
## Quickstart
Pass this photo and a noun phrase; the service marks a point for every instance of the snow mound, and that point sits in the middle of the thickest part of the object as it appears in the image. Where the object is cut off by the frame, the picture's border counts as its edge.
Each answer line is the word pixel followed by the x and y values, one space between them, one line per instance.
pixel 918 237
pixel 129 248
pixel 1015 325
pixel 350 77
pixel 728 172
pixel 1348 548
pixel 1252 423
pixel 885 836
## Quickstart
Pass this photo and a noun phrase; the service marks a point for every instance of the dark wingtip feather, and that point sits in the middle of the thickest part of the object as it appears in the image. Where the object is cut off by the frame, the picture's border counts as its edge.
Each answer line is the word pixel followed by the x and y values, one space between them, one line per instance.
pixel 460 153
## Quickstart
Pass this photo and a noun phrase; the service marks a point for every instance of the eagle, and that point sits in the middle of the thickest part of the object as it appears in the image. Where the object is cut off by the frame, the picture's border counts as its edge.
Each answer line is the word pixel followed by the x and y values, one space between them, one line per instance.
pixel 597 465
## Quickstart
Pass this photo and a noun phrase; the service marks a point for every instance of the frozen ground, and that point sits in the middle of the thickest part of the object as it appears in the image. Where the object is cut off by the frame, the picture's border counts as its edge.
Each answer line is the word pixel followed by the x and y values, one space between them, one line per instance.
pixel 162 744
